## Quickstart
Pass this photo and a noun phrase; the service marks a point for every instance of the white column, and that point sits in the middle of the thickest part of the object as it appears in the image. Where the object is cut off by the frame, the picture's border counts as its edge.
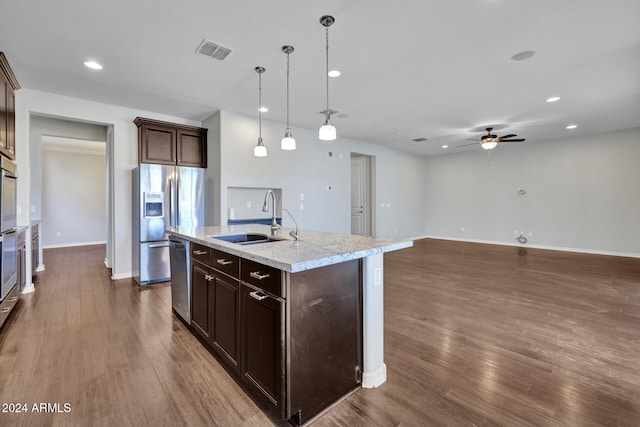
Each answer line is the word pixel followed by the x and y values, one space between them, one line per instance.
pixel 374 370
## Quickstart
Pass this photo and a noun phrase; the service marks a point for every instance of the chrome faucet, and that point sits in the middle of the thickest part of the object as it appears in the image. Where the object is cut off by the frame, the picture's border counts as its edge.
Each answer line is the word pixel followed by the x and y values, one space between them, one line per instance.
pixel 294 234
pixel 265 208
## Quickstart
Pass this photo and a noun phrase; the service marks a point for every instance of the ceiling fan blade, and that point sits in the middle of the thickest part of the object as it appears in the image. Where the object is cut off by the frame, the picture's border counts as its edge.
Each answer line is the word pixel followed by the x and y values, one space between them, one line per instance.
pixel 512 140
pixel 511 135
pixel 466 145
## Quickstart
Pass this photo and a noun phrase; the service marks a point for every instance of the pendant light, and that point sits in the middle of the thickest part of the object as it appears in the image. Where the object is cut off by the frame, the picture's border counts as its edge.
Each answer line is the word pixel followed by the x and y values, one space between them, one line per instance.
pixel 260 150
pixel 288 142
pixel 327 131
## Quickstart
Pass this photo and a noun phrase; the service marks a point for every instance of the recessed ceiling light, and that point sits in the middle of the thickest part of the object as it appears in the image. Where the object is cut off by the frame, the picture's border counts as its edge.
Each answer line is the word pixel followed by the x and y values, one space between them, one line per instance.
pixel 334 73
pixel 572 126
pixel 93 65
pixel 445 146
pixel 263 109
pixel 521 56
pixel 553 99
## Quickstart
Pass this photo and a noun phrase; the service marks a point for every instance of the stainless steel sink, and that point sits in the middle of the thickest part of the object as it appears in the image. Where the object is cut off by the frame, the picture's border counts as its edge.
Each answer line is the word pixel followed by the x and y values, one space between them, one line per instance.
pixel 246 238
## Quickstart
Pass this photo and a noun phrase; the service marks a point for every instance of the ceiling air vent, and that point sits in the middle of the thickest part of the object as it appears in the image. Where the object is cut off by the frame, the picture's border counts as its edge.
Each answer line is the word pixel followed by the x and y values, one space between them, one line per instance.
pixel 213 49
pixel 421 139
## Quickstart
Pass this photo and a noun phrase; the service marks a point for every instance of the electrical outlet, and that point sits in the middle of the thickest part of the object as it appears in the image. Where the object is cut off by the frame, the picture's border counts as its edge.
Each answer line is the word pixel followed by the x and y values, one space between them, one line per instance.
pixel 301 196
pixel 515 232
pixel 58 234
pixel 462 229
pixel 530 233
pixel 301 206
pixel 232 213
pixel 248 204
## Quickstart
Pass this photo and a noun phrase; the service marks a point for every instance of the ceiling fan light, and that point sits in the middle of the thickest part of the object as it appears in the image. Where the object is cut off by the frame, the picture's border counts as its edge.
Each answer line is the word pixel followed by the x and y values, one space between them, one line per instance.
pixel 288 142
pixel 327 132
pixel 489 145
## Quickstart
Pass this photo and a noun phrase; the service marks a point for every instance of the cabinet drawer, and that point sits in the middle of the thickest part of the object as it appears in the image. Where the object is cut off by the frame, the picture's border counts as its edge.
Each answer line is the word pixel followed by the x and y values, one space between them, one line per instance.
pixel 201 253
pixel 225 262
pixel 262 276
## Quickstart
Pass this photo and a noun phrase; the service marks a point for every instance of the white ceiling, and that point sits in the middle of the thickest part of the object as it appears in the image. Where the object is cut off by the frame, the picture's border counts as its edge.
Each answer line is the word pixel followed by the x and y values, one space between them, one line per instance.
pixel 434 69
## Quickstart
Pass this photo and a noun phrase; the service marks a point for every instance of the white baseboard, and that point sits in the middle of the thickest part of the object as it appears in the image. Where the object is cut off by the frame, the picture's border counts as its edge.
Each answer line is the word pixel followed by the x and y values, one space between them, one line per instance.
pixel 551 248
pixel 374 379
pixel 70 245
pixel 120 276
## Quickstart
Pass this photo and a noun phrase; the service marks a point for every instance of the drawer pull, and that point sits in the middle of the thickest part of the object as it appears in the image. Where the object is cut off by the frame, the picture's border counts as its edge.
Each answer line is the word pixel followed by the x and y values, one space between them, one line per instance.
pixel 257 295
pixel 13 299
pixel 6 310
pixel 257 275
pixel 208 277
pixel 199 252
pixel 223 261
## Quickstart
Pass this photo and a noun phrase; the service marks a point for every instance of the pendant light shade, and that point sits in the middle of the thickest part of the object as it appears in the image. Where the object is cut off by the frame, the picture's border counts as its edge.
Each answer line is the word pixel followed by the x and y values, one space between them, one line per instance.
pixel 288 142
pixel 260 150
pixel 327 131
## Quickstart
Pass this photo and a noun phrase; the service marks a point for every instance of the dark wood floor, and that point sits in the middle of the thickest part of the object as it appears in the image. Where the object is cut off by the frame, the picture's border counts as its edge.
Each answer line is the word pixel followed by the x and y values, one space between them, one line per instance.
pixel 475 335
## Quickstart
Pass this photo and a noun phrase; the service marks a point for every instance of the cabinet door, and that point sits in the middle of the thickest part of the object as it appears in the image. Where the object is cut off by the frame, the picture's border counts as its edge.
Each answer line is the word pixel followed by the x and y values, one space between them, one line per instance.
pixel 262 347
pixel 4 87
pixel 200 296
pixel 11 122
pixel 225 332
pixel 22 267
pixel 157 145
pixel 192 148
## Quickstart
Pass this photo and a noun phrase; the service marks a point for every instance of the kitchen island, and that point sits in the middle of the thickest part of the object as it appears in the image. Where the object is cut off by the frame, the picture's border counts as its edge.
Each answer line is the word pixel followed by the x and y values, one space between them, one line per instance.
pixel 298 323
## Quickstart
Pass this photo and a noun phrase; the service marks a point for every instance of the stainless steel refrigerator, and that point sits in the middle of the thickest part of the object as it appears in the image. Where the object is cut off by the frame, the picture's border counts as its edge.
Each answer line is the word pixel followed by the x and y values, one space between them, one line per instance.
pixel 163 196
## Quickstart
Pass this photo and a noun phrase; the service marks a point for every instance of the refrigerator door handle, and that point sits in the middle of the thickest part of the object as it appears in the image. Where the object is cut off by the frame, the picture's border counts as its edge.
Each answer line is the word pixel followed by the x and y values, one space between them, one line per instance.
pixel 178 202
pixel 171 199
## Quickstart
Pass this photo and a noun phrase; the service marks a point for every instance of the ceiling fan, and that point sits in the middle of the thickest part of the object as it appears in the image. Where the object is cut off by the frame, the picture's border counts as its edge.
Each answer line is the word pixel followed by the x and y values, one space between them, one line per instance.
pixel 490 141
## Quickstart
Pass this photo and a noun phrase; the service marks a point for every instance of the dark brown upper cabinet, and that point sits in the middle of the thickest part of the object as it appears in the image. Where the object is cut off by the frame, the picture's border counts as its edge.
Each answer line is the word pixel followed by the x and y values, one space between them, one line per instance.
pixel 167 143
pixel 8 86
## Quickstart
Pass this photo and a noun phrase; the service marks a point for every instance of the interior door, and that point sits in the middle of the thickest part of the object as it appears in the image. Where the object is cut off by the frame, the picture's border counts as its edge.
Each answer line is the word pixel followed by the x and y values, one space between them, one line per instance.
pixel 360 196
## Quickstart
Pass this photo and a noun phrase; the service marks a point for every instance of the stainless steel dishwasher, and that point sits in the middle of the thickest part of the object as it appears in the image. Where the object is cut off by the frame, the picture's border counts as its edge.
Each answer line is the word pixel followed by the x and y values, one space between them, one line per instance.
pixel 179 254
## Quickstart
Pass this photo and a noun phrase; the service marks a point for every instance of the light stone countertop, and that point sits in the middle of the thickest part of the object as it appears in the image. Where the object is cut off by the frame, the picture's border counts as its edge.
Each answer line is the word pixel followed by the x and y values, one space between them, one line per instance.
pixel 315 249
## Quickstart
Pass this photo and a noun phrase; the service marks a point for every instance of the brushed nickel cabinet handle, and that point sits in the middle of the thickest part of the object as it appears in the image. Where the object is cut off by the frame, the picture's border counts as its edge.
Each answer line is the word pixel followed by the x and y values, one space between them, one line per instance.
pixel 6 310
pixel 257 295
pixel 257 275
pixel 223 261
pixel 208 277
pixel 13 299
pixel 199 252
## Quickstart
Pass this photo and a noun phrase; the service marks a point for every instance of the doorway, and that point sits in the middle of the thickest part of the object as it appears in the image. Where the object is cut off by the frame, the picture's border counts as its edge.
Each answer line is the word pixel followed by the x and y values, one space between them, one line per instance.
pixel 70 181
pixel 362 194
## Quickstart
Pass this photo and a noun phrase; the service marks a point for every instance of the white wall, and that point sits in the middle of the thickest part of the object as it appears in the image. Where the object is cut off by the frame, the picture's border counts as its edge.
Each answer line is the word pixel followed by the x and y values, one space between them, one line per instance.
pixel 123 151
pixel 581 194
pixel 321 171
pixel 40 126
pixel 73 199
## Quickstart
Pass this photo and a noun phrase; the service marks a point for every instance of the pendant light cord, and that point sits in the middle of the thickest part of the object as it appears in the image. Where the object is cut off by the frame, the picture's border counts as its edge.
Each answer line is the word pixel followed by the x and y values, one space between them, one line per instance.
pixel 260 107
pixel 327 72
pixel 287 92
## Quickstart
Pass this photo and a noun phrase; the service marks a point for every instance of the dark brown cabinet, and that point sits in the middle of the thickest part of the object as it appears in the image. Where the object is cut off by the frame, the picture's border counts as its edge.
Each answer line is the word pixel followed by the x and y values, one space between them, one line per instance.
pixel 8 86
pixel 293 340
pixel 200 289
pixel 21 261
pixel 262 347
pixel 35 248
pixel 171 144
pixel 225 315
